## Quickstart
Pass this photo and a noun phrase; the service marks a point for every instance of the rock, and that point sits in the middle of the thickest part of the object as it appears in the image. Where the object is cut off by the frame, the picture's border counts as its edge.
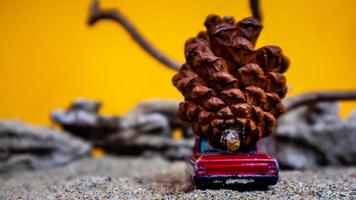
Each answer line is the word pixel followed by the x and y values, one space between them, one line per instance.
pixel 24 146
pixel 130 143
pixel 91 106
pixel 156 116
pixel 307 137
pixel 147 129
pixel 315 135
pixel 82 119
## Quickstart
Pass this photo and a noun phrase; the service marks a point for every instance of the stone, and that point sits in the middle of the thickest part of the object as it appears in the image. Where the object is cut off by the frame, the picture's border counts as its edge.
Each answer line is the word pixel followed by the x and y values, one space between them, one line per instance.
pixel 315 135
pixel 82 118
pixel 24 146
pixel 145 130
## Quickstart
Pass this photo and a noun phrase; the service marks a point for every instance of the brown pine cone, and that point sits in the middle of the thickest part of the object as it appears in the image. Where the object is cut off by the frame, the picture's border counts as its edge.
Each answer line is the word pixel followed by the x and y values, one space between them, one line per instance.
pixel 232 91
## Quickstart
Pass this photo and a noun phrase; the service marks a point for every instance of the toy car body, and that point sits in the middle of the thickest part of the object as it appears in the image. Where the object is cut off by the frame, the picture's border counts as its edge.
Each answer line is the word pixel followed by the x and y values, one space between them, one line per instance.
pixel 210 168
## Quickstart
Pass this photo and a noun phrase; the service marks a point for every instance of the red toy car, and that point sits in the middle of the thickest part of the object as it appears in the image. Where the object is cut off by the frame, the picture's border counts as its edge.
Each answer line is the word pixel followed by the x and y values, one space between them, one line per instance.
pixel 209 168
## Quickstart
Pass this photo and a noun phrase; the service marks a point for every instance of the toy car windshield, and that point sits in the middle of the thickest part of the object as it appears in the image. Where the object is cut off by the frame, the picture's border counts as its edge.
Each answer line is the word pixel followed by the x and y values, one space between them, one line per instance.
pixel 205 147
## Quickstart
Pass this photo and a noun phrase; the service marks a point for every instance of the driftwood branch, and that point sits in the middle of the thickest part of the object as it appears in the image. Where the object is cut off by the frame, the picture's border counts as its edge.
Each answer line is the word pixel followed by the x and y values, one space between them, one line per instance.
pixel 255 9
pixel 97 14
pixel 318 96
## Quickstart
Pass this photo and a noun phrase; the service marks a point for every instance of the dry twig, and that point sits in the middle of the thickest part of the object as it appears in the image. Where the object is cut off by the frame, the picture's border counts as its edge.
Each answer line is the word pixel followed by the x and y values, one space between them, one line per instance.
pixel 318 96
pixel 97 14
pixel 255 9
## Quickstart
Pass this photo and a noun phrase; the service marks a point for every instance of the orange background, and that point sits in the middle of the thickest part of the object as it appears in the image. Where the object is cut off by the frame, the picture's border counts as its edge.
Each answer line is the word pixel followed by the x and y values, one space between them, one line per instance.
pixel 49 56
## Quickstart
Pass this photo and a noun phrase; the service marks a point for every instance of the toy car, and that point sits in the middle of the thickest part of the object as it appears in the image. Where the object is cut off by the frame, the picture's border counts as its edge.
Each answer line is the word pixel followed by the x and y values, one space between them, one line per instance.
pixel 209 168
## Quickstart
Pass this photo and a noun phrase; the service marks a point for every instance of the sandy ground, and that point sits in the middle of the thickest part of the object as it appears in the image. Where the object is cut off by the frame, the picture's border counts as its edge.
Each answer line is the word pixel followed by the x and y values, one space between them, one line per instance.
pixel 154 178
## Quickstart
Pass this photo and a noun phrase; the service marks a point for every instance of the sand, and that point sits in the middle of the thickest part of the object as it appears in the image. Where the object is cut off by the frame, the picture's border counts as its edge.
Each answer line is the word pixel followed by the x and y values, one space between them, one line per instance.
pixel 154 178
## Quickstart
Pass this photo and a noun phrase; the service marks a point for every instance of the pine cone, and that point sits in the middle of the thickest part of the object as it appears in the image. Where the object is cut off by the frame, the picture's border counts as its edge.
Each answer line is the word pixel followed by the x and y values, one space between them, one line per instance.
pixel 232 92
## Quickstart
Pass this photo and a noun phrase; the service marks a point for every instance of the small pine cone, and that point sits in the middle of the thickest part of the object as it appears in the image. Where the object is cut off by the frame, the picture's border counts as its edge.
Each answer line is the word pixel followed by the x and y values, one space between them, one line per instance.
pixel 232 91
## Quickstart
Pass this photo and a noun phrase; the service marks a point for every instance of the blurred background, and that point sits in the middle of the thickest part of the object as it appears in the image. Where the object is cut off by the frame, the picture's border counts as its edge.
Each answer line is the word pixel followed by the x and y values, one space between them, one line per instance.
pixel 49 56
